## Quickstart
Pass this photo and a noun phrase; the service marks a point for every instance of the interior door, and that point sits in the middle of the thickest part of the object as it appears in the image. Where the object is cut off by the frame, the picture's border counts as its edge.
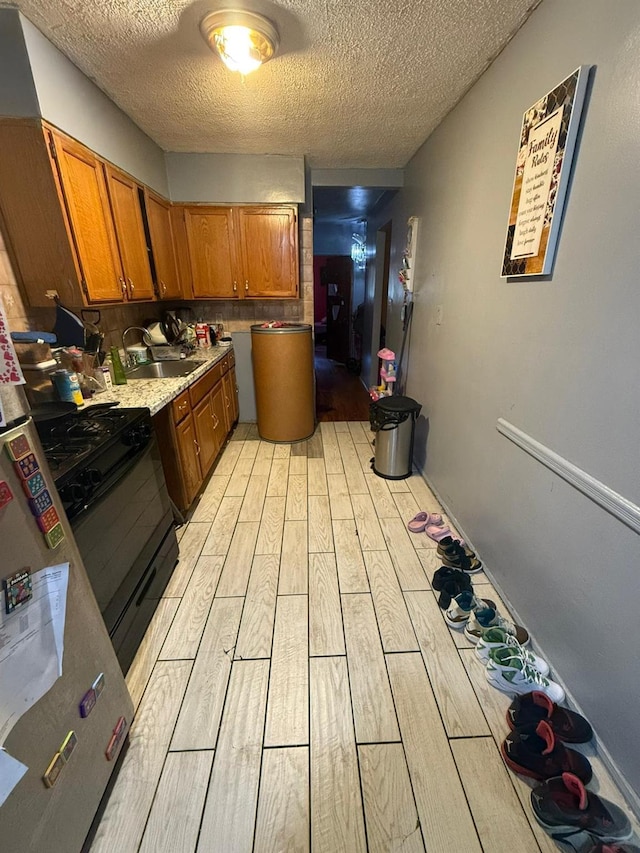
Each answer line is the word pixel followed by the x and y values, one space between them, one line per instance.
pixel 336 278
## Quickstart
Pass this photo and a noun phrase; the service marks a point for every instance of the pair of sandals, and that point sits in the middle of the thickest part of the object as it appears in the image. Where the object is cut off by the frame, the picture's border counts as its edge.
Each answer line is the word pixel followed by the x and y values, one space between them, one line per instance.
pixel 431 523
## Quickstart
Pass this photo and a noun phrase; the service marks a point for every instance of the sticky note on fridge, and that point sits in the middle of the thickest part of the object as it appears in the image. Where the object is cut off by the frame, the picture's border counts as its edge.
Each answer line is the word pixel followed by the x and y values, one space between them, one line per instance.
pixel 18 447
pixel 27 466
pixel 41 502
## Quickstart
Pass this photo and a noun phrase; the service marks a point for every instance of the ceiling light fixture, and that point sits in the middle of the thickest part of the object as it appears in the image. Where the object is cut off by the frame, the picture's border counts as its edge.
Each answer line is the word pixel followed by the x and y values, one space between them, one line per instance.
pixel 243 39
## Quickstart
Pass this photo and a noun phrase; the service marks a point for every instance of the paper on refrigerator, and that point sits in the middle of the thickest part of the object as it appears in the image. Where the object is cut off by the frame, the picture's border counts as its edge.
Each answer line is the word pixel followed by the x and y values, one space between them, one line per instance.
pixel 11 772
pixel 32 646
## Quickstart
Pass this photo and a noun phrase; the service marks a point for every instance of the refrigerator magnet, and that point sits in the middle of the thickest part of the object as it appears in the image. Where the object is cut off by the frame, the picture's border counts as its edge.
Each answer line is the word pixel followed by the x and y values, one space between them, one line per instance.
pixel 48 520
pixel 18 447
pixel 68 745
pixel 17 590
pixel 55 536
pixel 27 466
pixel 6 495
pixel 41 503
pixel 53 770
pixel 34 485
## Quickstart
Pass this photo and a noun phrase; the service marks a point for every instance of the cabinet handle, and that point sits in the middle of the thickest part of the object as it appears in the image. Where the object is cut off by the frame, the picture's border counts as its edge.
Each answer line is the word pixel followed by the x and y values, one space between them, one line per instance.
pixel 182 407
pixel 163 287
pixel 123 286
pixel 215 421
pixel 246 285
pixel 197 447
pixel 131 286
pixel 235 286
pixel 227 400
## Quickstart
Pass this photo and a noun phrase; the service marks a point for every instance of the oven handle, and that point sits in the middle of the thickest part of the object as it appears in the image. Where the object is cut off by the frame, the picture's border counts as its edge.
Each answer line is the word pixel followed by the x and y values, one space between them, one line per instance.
pixel 146 587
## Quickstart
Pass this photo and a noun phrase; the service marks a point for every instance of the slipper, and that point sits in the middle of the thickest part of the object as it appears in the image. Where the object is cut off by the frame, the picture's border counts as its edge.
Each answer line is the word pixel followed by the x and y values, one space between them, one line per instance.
pixel 437 533
pixel 422 519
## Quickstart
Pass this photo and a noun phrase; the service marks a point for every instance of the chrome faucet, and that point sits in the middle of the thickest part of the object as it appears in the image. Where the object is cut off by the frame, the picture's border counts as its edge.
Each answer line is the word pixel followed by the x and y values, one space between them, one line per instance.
pixel 130 361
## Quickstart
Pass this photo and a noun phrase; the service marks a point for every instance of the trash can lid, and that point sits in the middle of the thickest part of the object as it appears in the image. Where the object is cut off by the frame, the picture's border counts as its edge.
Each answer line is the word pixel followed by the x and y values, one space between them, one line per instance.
pixel 397 405
pixel 279 326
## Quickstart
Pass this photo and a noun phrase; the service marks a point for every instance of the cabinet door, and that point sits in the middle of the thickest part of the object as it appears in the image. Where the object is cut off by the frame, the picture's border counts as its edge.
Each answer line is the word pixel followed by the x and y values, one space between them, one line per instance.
pixel 189 451
pixel 162 246
pixel 210 239
pixel 127 215
pixel 218 409
pixel 87 204
pixel 269 250
pixel 230 398
pixel 205 424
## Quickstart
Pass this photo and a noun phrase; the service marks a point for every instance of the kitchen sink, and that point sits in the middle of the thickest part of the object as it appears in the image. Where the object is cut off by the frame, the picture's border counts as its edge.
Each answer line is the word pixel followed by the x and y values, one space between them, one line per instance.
pixel 163 369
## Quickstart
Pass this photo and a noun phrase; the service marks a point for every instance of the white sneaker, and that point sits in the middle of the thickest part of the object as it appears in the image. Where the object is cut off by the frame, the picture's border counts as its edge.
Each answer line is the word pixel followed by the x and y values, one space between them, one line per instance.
pixel 495 638
pixel 510 673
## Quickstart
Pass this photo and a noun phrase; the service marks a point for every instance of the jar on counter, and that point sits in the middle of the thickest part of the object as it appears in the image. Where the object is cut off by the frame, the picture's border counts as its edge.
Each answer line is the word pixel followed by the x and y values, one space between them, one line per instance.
pixel 67 386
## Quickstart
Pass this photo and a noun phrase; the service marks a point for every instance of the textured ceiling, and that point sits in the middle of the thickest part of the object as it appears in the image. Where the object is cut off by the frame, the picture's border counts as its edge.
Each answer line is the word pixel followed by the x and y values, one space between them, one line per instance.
pixel 356 82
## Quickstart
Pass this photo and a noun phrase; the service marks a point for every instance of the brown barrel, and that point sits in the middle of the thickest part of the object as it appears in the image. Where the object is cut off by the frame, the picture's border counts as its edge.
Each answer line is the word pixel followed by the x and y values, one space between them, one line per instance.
pixel 283 378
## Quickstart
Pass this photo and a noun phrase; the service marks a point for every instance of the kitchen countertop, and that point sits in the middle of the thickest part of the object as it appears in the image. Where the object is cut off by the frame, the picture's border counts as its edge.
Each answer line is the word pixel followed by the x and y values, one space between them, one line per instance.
pixel 155 394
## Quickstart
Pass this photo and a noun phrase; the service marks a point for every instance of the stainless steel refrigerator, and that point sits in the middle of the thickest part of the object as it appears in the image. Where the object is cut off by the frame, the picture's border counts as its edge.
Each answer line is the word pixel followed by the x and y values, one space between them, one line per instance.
pixel 90 698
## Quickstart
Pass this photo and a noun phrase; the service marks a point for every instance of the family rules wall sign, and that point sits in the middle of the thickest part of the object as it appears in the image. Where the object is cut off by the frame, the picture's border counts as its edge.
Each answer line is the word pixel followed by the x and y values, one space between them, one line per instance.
pixel 547 142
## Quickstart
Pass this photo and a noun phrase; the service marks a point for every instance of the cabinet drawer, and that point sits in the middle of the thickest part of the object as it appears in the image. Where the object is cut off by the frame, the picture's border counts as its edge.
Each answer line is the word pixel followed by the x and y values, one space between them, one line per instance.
pixel 198 390
pixel 181 407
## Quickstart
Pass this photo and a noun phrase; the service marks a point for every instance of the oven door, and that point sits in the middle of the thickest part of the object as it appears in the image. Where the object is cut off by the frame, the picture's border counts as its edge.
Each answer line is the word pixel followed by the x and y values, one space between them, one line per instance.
pixel 129 547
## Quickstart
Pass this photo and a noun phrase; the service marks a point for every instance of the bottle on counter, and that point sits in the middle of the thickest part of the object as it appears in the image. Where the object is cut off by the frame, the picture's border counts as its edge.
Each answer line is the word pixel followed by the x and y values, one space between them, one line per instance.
pixel 119 376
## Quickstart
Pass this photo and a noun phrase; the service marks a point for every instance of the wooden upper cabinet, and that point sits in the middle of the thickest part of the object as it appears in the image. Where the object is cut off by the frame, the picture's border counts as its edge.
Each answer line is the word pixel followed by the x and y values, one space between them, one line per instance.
pixel 127 215
pixel 84 194
pixel 269 249
pixel 212 255
pixel 162 246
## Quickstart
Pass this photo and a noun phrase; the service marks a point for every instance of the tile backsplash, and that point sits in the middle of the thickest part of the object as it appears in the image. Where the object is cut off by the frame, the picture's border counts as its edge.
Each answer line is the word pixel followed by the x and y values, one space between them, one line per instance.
pixel 236 315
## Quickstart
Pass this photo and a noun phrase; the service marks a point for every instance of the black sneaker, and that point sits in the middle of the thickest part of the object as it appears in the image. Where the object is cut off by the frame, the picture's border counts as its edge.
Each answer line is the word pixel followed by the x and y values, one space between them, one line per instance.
pixel 449 583
pixel 563 807
pixel 567 725
pixel 533 751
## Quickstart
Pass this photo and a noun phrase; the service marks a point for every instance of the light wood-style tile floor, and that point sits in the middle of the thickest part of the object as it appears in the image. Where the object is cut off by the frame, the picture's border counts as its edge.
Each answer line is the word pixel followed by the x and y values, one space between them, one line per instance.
pixel 298 688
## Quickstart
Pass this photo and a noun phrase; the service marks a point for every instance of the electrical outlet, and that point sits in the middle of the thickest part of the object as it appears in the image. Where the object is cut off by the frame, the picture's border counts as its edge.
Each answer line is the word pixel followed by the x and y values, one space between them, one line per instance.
pixel 439 312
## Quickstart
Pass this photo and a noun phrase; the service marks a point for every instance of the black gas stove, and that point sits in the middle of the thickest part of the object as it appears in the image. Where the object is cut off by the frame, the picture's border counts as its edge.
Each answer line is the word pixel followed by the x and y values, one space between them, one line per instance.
pixel 87 449
pixel 108 472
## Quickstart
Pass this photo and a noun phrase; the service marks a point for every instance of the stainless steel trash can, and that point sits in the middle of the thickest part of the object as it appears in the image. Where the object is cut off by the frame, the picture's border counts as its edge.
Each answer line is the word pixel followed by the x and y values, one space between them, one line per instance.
pixel 393 420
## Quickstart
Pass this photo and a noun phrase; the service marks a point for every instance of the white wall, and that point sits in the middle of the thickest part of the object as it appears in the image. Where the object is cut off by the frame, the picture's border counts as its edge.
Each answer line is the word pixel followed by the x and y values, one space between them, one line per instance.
pixel 235 178
pixel 70 101
pixel 558 358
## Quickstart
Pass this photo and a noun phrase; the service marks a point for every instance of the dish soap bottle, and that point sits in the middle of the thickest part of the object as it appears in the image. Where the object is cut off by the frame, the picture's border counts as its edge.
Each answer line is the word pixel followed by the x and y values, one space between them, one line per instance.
pixel 119 376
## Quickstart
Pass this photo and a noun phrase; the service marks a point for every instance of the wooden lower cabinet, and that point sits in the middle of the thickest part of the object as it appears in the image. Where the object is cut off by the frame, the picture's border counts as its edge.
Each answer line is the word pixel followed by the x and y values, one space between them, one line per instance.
pixel 193 428
pixel 188 454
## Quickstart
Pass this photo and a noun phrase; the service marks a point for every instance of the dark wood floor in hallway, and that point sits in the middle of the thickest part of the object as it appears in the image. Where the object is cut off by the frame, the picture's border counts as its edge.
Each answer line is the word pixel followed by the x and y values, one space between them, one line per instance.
pixel 340 395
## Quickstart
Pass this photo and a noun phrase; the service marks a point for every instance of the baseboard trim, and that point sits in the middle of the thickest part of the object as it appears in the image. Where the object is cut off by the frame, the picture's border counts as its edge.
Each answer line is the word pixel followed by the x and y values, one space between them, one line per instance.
pixel 624 510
